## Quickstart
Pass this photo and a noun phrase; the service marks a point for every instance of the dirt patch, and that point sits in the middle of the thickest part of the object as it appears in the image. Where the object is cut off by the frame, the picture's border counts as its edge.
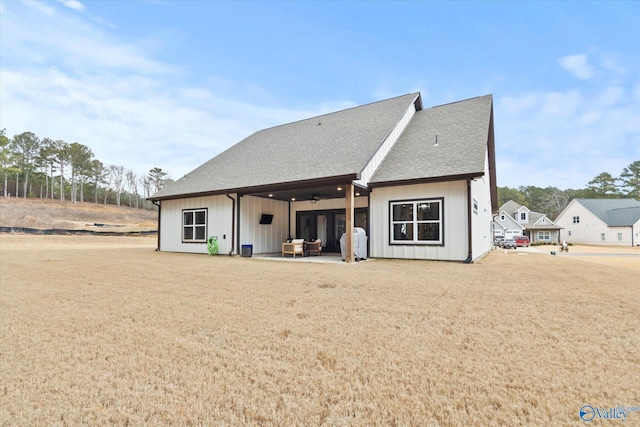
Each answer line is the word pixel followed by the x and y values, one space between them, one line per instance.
pixel 105 330
pixel 45 214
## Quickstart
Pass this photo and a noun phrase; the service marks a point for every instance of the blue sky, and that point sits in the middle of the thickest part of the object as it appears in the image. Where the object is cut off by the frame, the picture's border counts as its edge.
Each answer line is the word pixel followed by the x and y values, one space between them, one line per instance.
pixel 173 83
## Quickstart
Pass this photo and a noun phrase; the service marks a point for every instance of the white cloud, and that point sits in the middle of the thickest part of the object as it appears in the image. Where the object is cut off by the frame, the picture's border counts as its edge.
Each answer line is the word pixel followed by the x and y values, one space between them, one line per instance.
pixel 560 103
pixel 72 4
pixel 611 95
pixel 636 92
pixel 67 40
pixel 565 138
pixel 514 105
pixel 578 66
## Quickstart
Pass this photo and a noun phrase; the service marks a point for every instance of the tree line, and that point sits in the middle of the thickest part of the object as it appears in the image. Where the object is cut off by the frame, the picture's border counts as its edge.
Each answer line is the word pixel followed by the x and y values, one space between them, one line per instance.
pixel 54 169
pixel 551 200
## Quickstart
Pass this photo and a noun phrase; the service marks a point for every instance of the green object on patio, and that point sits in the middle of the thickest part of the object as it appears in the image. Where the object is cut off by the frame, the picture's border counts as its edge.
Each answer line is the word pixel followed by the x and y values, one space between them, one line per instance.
pixel 212 245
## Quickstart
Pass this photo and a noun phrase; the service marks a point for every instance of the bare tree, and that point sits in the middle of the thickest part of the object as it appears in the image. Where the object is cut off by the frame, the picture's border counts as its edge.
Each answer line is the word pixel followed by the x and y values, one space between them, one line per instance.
pixel 117 178
pixel 106 179
pixel 555 200
pixel 132 186
pixel 145 182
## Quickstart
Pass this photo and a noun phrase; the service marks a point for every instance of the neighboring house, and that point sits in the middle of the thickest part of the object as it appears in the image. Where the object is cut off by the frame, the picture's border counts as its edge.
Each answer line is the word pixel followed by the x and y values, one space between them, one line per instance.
pixel 513 219
pixel 421 182
pixel 601 222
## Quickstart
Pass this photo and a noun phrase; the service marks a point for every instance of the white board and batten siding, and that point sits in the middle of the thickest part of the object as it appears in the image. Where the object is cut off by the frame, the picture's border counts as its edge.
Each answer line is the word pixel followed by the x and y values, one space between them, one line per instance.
pixel 265 238
pixel 386 146
pixel 482 217
pixel 454 194
pixel 219 218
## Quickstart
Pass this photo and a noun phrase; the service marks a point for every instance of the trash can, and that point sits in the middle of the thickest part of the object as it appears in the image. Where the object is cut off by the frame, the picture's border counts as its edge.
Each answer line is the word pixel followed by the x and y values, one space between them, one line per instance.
pixel 247 250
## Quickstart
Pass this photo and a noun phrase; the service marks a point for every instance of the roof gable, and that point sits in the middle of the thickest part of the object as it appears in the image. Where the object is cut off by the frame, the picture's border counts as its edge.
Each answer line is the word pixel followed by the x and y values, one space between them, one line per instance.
pixel 510 207
pixel 443 141
pixel 330 145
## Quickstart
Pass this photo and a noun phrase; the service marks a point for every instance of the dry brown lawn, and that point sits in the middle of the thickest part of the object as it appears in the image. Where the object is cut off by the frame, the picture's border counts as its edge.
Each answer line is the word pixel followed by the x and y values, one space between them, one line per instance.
pixel 104 330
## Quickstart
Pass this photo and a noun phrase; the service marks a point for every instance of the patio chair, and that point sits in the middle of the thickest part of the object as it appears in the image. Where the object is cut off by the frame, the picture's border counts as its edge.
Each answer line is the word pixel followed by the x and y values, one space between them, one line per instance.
pixel 314 248
pixel 295 247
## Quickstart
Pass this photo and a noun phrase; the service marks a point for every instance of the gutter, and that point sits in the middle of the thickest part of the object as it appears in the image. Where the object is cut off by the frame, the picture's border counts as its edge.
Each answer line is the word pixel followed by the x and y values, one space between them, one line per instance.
pixel 469 228
pixel 233 220
pixel 157 203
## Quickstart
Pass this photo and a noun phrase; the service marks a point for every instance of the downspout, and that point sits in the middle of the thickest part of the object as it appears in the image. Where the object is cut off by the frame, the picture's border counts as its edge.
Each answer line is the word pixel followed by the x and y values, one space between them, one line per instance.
pixel 233 220
pixel 469 228
pixel 159 219
pixel 631 235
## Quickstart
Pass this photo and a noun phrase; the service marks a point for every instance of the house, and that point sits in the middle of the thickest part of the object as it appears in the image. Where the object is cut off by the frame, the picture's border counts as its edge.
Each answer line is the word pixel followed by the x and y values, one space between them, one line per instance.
pixel 421 182
pixel 513 219
pixel 601 222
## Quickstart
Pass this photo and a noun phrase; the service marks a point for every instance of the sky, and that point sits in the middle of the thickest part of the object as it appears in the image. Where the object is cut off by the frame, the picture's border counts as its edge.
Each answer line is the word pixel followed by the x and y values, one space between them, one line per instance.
pixel 171 84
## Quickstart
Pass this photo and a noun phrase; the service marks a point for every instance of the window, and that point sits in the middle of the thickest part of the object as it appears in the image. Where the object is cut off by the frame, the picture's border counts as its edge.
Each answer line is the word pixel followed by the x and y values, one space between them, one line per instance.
pixel 544 235
pixel 602 236
pixel 619 237
pixel 194 225
pixel 569 232
pixel 417 221
pixel 475 206
pixel 502 217
pixel 576 220
pixel 523 216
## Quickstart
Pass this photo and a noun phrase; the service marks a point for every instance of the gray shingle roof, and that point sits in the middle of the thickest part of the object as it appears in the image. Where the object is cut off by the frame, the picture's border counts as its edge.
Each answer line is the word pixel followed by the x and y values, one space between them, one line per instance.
pixel 510 207
pixel 334 144
pixel 614 212
pixel 462 129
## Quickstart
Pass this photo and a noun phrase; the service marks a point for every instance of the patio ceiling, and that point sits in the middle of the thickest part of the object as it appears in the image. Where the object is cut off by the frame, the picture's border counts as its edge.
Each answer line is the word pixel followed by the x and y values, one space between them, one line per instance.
pixel 300 194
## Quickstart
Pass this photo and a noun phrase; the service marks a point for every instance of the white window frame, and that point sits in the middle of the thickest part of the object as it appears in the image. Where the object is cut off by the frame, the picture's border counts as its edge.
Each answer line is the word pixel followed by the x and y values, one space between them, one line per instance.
pixel 414 222
pixel 619 237
pixel 194 226
pixel 576 219
pixel 602 237
pixel 544 235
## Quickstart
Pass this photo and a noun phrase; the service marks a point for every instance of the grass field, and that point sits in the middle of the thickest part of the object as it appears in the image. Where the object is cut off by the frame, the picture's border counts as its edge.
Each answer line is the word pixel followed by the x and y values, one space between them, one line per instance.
pixel 104 330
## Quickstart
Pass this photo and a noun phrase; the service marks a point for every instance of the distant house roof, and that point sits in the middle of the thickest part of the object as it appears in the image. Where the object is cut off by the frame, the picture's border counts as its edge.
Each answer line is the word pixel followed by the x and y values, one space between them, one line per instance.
pixel 533 218
pixel 339 145
pixel 443 141
pixel 510 207
pixel 614 212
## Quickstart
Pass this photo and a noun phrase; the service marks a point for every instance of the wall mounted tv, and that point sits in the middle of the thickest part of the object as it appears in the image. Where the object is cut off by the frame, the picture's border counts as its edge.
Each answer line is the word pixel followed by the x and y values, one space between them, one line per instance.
pixel 266 219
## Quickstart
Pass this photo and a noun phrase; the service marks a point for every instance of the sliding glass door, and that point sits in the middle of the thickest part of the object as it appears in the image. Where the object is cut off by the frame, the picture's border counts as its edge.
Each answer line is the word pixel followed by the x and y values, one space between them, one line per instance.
pixel 327 225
